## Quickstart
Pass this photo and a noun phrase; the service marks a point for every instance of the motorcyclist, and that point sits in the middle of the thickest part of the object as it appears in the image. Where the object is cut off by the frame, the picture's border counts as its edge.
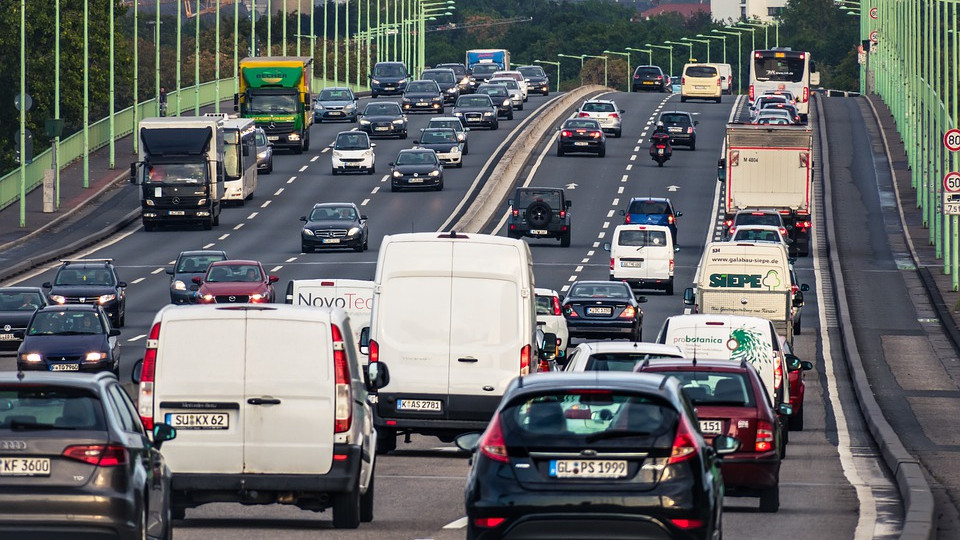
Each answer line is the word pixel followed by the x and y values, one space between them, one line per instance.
pixel 660 138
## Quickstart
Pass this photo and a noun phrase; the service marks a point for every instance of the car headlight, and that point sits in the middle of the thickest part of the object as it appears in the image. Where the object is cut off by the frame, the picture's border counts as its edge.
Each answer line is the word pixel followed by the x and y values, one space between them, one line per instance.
pixel 258 297
pixel 201 202
pixel 375 81
pixel 397 174
pixel 364 122
pixel 179 285
pixel 457 113
pixel 206 297
pixel 488 113
pixel 262 155
pixel 336 154
pixel 452 90
pixel 31 357
pixel 455 150
pixel 437 98
pixel 399 121
pixel 104 298
pixel 308 232
pixel 350 107
pixel 58 299
pixel 95 356
pixel 402 81
pixel 461 136
pixel 434 173
pixel 149 202
pixel 293 137
pixel 506 102
pixel 353 231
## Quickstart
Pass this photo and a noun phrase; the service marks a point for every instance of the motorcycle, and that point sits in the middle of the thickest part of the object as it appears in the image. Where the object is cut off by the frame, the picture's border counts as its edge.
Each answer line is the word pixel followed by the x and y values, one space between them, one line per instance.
pixel 660 149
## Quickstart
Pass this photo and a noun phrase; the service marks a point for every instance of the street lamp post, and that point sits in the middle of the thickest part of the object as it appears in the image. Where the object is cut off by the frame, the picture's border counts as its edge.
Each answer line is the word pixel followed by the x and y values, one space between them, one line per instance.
pixel 648 51
pixel 766 27
pixel 553 64
pixel 724 38
pixel 604 58
pixel 705 41
pixel 629 69
pixel 670 47
pixel 753 31
pixel 739 56
pixel 580 58
pixel 689 45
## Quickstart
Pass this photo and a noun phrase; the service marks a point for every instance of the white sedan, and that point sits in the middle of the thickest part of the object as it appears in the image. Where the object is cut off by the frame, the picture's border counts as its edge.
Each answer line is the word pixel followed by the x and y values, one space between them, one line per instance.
pixel 617 355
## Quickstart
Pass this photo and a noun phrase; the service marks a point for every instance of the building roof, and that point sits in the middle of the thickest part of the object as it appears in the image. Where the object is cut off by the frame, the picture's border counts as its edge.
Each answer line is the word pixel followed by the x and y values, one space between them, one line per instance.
pixel 685 10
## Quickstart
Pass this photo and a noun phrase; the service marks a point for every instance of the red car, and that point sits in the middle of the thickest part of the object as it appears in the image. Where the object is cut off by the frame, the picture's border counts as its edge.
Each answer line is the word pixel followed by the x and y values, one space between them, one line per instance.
pixel 795 369
pixel 729 399
pixel 235 282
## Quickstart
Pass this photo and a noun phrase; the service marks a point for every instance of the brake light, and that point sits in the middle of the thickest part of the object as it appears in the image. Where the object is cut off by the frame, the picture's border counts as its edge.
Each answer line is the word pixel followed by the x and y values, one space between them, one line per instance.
pixel 97 454
pixel 764 436
pixel 629 312
pixel 805 95
pixel 584 115
pixel 569 311
pixel 595 134
pixel 147 374
pixel 635 76
pixel 627 221
pixel 563 214
pixel 611 263
pixel 614 115
pixel 777 371
pixel 566 133
pixel 543 366
pixel 516 213
pixel 373 352
pixel 751 92
pixel 687 524
pixel 804 224
pixel 728 223
pixel 556 306
pixel 794 289
pixel 718 81
pixel 683 80
pixel 690 129
pixel 671 266
pixel 525 360
pixel 659 77
pixel 343 405
pixel 684 445
pixel 492 444
pixel 488 523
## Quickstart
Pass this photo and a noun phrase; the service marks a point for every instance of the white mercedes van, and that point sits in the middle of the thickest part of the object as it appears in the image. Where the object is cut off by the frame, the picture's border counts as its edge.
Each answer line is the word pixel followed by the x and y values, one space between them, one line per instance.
pixel 355 296
pixel 270 407
pixel 642 255
pixel 454 316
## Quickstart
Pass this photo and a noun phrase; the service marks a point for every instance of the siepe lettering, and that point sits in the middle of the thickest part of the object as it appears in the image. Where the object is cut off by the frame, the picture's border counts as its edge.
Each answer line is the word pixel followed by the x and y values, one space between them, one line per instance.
pixel 739 281
pixel 347 302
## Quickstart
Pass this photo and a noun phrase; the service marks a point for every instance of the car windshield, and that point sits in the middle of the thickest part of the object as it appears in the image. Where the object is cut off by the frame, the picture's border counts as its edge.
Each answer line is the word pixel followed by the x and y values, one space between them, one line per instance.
pixel 701 71
pixel 197 264
pixel 47 323
pixel 576 417
pixel 485 69
pixel 756 235
pixel 176 173
pixel 474 101
pixel 581 124
pixel 39 407
pixel 271 103
pixel 85 276
pixel 438 136
pixel 527 196
pixel 773 120
pixel 382 109
pixel 261 138
pixel 675 119
pixel 599 290
pixel 335 95
pixel 334 213
pixel 621 361
pixel 509 83
pixel 352 140
pixel 597 107
pixel 422 87
pixel 649 207
pixel 715 387
pixel 416 158
pixel 758 218
pixel 531 71
pixel 642 238
pixel 233 272
pixel 440 76
pixel 494 90
pixel 452 124
pixel 389 70
pixel 20 301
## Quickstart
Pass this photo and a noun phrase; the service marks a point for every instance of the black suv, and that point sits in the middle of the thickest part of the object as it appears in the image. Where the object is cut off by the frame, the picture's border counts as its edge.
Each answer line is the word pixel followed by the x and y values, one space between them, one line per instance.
pixel 69 338
pixel 90 281
pixel 650 78
pixel 540 213
pixel 681 127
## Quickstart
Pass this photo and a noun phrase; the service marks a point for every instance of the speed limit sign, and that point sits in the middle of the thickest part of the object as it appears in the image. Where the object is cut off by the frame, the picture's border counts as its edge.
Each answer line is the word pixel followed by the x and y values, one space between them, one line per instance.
pixel 951 182
pixel 951 140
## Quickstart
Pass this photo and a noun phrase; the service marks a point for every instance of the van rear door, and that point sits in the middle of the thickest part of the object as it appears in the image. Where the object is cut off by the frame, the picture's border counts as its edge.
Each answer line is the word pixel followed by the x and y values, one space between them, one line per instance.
pixel 486 326
pixel 289 394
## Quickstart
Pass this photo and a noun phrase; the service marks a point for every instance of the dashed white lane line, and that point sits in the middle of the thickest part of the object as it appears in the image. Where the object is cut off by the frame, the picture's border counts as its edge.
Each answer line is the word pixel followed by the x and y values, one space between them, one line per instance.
pixel 629 168
pixel 565 288
pixel 633 157
pixel 385 177
pixel 171 262
pixel 292 178
pixel 601 235
pixel 325 150
pixel 291 259
pixel 616 201
pixel 303 168
pixel 208 246
pixel 636 148
pixel 624 178
pixel 376 189
pixel 276 268
pixel 606 224
pixel 223 236
pixel 157 271
pixel 610 213
pixel 596 245
pixel 138 280
pixel 620 190
pixel 572 278
pixel 252 215
pixel 365 201
pixel 591 252
pixel 640 140
pixel 279 191
pixel 237 228
pixel 266 203
pixel 314 158
pixel 136 338
pixel 585 260
pixel 578 269
pixel 456 524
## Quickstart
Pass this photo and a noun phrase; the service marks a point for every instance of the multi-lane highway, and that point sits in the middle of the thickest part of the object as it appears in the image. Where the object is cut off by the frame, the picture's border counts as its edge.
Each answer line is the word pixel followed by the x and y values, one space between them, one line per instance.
pixel 831 483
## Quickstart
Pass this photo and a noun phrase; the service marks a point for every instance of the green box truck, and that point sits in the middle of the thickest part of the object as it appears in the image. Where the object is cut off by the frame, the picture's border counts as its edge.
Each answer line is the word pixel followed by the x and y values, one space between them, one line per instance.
pixel 275 92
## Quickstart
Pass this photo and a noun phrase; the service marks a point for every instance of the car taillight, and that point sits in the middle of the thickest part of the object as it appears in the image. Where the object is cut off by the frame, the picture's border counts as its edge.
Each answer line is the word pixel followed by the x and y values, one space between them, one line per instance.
pixel 543 366
pixel 783 230
pixel 563 214
pixel 684 445
pixel 595 134
pixel 671 265
pixel 764 436
pixel 556 306
pixel 805 95
pixel 97 454
pixel 492 444
pixel 777 371
pixel 611 263
pixel 794 289
pixel 635 76
pixel 584 115
pixel 488 522
pixel 751 92
pixel 683 80
pixel 718 81
pixel 628 312
pixel 147 374
pixel 687 524
pixel 373 352
pixel 690 129
pixel 343 406
pixel 728 223
pixel 659 77
pixel 525 360
pixel 566 133
pixel 614 115
pixel 516 213
pixel 627 220
pixel 569 311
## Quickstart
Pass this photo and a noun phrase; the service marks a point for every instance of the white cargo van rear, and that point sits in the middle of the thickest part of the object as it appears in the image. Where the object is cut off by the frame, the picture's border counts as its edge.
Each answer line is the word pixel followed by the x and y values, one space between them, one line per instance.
pixel 454 316
pixel 355 296
pixel 269 404
pixel 642 255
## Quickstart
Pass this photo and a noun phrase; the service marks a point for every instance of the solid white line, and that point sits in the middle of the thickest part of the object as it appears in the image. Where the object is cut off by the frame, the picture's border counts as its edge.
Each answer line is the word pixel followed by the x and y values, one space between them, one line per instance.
pixel 374 190
pixel 265 204
pixel 291 259
pixel 253 215
pixel 292 178
pixel 208 246
pixel 157 271
pixel 314 158
pixel 135 338
pixel 138 280
pixel 456 524
pixel 279 191
pixel 237 228
pixel 610 213
pixel 275 268
pixel 303 168
pixel 365 201
pixel 223 236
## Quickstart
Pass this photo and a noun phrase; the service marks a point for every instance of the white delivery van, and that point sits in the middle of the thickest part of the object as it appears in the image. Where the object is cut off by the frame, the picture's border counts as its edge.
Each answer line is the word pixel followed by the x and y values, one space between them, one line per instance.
pixel 355 296
pixel 642 255
pixel 726 78
pixel 270 407
pixel 454 316
pixel 732 337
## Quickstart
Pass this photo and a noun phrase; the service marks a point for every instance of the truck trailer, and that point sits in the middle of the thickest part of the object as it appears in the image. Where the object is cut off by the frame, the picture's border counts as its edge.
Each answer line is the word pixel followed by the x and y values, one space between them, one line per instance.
pixel 501 57
pixel 275 92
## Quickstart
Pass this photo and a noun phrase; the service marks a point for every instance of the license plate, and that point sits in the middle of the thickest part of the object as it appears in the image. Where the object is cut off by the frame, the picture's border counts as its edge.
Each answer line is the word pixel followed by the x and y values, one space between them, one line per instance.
pixel 17 466
pixel 421 104
pixel 65 367
pixel 538 231
pixel 599 310
pixel 587 468
pixel 334 113
pixel 580 143
pixel 700 87
pixel 415 180
pixel 199 420
pixel 330 241
pixel 647 82
pixel 631 264
pixel 418 405
pixel 273 137
pixel 177 213
pixel 7 337
pixel 711 427
pixel 382 129
pixel 659 151
pixel 675 130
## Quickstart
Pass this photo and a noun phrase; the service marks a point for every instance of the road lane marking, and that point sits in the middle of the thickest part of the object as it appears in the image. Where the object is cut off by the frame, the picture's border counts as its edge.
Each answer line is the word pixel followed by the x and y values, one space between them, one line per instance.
pixel 624 178
pixel 610 213
pixel 636 148
pixel 265 204
pixel 365 201
pixel 376 189
pixel 620 190
pixel 279 191
pixel 136 338
pixel 565 288
pixel 158 270
pixel 601 235
pixel 138 280
pixel 223 236
pixel 291 259
pixel 572 278
pixel 314 158
pixel 276 268
pixel 208 246
pixel 633 157
pixel 629 168
pixel 616 201
pixel 325 150
pixel 385 178
pixel 578 269
pixel 456 524
pixel 253 215
pixel 237 228
pixel 606 224
pixel 591 252
pixel 584 260
pixel 596 245
pixel 292 178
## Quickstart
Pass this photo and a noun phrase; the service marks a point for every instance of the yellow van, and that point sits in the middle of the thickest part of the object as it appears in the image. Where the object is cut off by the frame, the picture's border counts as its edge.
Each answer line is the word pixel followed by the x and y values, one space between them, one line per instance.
pixel 700 81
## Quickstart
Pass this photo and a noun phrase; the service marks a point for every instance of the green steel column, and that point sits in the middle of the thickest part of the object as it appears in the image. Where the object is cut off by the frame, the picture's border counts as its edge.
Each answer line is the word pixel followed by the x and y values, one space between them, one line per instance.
pixel 56 97
pixel 216 61
pixel 269 28
pixel 86 94
pixel 367 38
pixel 346 41
pixel 379 37
pixel 299 25
pixel 253 27
pixel 938 149
pixel 953 82
pixel 397 55
pixel 23 114
pixel 111 106
pixel 136 72
pixel 179 77
pixel 313 30
pixel 156 59
pixel 283 35
pixel 236 45
pixel 326 75
pixel 357 35
pixel 336 44
pixel 196 62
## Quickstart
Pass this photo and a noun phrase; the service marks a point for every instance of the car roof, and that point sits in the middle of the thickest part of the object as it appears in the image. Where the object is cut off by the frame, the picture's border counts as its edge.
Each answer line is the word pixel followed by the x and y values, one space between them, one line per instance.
pixel 614 380
pixel 334 88
pixel 333 204
pixel 417 150
pixel 643 347
pixel 75 379
pixel 70 307
pixel 545 292
pixel 86 263
pixel 696 364
pixel 758 227
pixel 688 113
pixel 652 199
pixel 598 101
pixel 437 69
pixel 20 289
pixel 234 261
pixel 201 252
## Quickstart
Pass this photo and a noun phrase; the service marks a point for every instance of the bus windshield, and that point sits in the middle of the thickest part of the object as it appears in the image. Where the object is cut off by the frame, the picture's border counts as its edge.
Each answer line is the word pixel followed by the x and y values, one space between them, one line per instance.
pixel 786 69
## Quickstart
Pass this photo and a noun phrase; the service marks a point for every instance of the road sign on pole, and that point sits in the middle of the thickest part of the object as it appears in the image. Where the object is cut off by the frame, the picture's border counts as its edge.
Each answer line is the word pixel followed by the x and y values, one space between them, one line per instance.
pixel 951 194
pixel 951 140
pixel 951 182
pixel 875 36
pixel 873 13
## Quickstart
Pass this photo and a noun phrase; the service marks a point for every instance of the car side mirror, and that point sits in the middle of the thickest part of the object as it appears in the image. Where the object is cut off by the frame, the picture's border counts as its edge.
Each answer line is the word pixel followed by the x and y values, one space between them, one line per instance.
pixel 466 129
pixel 135 376
pixel 798 300
pixel 378 376
pixel 606 246
pixel 364 343
pixel 785 409
pixel 273 279
pixel 330 145
pixel 114 332
pixel 696 122
pixel 725 444
pixel 721 170
pixel 806 365
pixel 363 217
pixel 567 204
pixel 688 297
pixel 373 145
pixel 468 441
pixel 170 271
pixel 122 284
pixel 416 141
pixel 548 349
pixel 47 285
pixel 161 433
pixel 804 287
pixel 303 219
pixel 197 279
pixel 133 173
pixel 622 111
pixel 793 363
pixel 623 212
pixel 678 214
pixel 391 164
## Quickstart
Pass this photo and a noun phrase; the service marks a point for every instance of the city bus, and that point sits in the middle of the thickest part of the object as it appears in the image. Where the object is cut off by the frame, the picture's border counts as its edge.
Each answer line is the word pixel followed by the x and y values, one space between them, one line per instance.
pixel 784 69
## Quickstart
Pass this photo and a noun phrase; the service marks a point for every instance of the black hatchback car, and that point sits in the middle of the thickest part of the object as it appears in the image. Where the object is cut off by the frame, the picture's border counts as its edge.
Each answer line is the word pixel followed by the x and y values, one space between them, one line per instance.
pixel 603 309
pixel 581 135
pixel 384 120
pixel 422 95
pixel 416 168
pixel 77 462
pixel 477 110
pixel 681 127
pixel 188 265
pixel 540 213
pixel 647 78
pixel 17 305
pixel 537 80
pixel 334 225
pixel 600 455
pixel 90 281
pixel 500 97
pixel 70 338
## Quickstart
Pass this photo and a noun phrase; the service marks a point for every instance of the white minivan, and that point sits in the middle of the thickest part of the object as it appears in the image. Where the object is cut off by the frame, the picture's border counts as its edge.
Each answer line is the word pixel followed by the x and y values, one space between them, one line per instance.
pixel 270 405
pixel 454 316
pixel 642 255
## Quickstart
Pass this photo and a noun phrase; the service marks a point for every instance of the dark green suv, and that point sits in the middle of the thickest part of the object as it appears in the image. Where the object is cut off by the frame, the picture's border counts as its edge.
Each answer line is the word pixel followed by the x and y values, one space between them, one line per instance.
pixel 540 213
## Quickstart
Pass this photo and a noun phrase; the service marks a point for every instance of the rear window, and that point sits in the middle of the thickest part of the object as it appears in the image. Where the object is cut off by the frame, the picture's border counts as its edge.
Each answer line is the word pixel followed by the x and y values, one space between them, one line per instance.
pixel 621 361
pixel 440 76
pixel 597 107
pixel 676 119
pixel 635 238
pixel 759 219
pixel 715 388
pixel 582 124
pixel 578 417
pixel 544 305
pixel 32 408
pixel 600 290
pixel 756 235
pixel 525 197
pixel 649 207
pixel 701 71
pixel 648 72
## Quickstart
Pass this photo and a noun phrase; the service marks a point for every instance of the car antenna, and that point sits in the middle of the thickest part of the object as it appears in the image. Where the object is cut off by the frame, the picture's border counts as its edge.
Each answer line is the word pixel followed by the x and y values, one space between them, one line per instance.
pixel 645 364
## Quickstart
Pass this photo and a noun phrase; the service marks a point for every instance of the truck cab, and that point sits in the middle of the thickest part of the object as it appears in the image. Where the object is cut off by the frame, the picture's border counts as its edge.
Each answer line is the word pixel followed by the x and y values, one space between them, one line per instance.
pixel 275 92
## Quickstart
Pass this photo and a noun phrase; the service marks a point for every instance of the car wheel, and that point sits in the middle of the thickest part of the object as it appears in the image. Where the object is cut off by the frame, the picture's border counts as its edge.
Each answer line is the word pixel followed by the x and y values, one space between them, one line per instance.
pixel 796 326
pixel 796 420
pixel 374 95
pixel 718 99
pixel 178 512
pixel 559 150
pixel 207 224
pixel 142 521
pixel 660 163
pixel 394 188
pixel 270 165
pixel 770 499
pixel 565 239
pixel 439 186
pixel 683 99
pixel 466 149
pixel 403 135
pixel 539 214
pixel 386 441
pixel 148 227
pixel 618 133
pixel 602 152
pixel 366 500
pixel 366 244
pixel 637 334
pixel 372 169
pixel 333 170
pixel 495 126
pixel 305 248
pixel 346 509
pixel 669 288
pixel 693 145
pixel 167 533
pixel 520 108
